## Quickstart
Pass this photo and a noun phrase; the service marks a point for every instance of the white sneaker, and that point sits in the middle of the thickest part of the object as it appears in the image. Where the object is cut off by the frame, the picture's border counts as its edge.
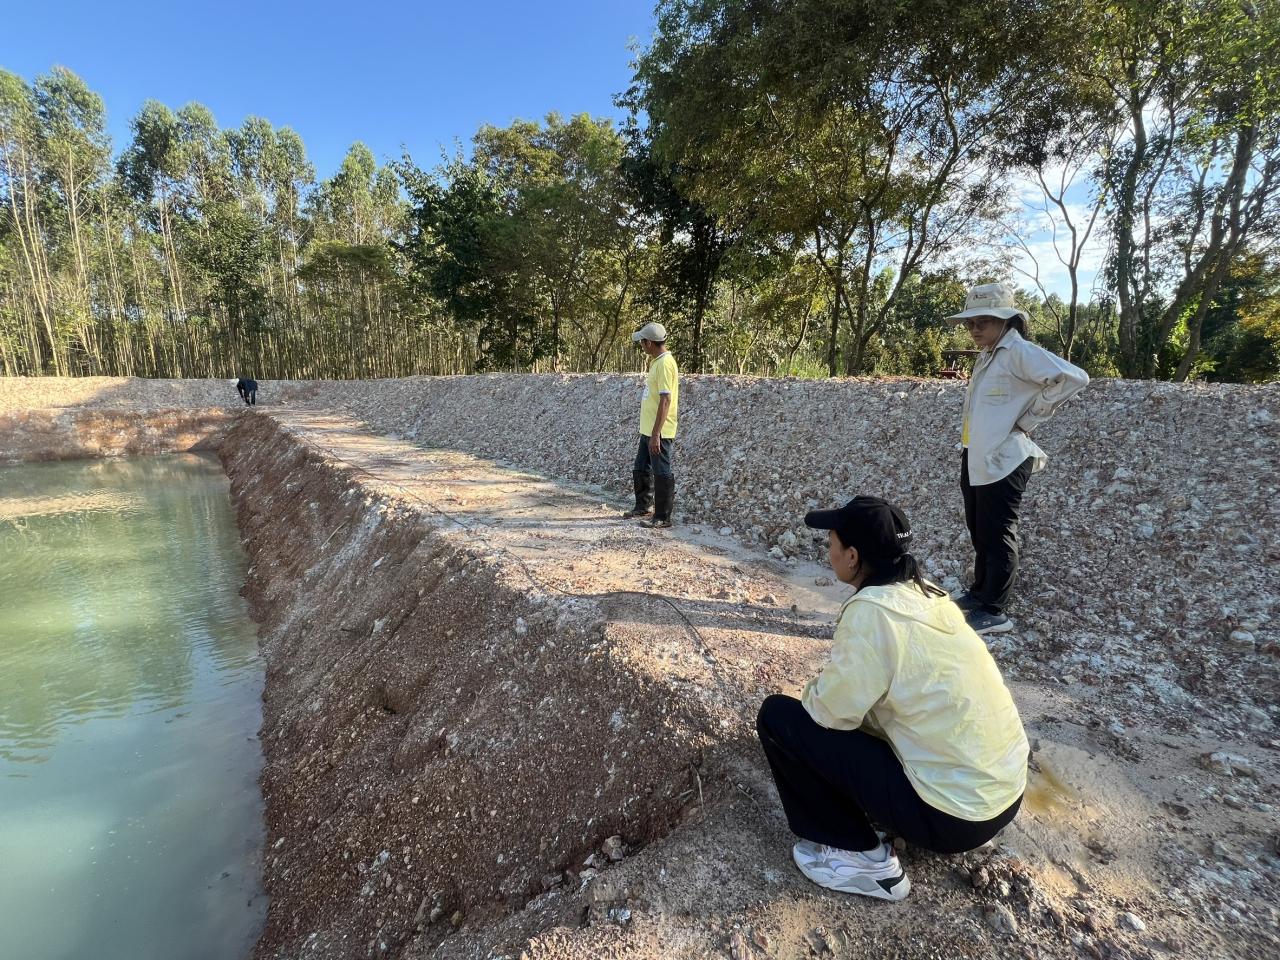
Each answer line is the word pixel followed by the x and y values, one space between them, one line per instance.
pixel 875 873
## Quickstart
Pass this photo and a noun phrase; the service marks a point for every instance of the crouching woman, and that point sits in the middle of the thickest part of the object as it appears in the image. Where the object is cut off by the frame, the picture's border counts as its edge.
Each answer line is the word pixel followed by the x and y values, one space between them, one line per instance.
pixel 907 731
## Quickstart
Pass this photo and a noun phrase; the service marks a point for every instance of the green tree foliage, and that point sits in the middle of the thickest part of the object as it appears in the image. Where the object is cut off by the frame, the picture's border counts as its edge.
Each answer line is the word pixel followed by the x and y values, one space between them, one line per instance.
pixel 464 254
pixel 532 245
pixel 1242 329
pixel 801 187
pixel 865 134
pixel 691 243
pixel 1195 87
pixel 200 251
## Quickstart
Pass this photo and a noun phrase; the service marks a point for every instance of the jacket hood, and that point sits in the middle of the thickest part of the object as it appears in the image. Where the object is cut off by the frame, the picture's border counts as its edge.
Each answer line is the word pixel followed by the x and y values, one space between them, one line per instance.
pixel 905 600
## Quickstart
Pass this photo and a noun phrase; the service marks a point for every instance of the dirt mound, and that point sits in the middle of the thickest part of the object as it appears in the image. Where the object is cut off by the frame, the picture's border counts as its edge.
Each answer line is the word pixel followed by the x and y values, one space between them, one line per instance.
pixel 1145 669
pixel 444 736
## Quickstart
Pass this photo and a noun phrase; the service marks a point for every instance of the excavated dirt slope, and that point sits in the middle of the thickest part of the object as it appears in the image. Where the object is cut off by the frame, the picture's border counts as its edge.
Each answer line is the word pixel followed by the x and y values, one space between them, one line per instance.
pixel 448 731
pixel 584 769
pixel 53 418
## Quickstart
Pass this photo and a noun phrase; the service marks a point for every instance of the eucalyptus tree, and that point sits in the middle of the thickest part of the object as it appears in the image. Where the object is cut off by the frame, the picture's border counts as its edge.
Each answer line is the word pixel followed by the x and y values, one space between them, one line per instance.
pixel 351 267
pixel 24 229
pixel 151 172
pixel 273 173
pixel 74 156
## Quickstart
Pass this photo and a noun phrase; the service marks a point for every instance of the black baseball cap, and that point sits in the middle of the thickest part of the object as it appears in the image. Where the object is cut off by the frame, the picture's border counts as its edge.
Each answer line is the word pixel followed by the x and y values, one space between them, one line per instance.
pixel 874 527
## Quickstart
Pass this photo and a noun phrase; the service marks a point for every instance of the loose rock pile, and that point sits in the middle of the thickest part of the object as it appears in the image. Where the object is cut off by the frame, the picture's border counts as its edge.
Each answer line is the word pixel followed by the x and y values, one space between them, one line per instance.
pixel 1148 541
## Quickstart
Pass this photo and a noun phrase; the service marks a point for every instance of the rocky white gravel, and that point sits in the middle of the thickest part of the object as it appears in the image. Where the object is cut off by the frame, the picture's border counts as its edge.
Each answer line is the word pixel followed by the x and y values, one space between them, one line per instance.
pixel 1150 541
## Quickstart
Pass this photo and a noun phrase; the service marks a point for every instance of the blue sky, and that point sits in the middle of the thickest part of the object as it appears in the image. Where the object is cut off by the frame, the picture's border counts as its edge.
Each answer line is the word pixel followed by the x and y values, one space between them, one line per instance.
pixel 390 73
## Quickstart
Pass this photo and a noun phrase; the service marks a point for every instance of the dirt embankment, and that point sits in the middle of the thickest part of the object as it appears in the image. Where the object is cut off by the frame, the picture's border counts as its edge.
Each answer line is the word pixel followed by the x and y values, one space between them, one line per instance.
pixel 1145 667
pixel 67 418
pixel 72 435
pixel 445 735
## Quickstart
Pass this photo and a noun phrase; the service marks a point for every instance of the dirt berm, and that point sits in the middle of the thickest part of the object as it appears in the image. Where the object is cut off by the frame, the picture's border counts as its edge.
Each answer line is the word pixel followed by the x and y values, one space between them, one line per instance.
pixel 447 734
pixel 501 722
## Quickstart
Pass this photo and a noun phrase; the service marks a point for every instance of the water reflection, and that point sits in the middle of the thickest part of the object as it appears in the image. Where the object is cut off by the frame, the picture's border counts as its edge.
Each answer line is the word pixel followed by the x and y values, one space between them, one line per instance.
pixel 129 703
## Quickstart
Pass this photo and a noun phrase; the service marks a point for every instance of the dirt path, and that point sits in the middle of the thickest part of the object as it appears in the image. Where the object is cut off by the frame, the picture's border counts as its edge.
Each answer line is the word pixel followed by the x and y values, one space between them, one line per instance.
pixel 1136 841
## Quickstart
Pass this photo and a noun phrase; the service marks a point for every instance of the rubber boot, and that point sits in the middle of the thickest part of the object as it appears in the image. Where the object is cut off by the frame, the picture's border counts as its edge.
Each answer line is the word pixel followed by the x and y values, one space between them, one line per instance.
pixel 664 495
pixel 643 480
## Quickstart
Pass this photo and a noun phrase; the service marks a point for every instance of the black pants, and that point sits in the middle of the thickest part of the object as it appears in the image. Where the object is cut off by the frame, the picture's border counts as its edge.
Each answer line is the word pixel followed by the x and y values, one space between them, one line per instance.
pixel 250 397
pixel 991 513
pixel 835 783
pixel 660 464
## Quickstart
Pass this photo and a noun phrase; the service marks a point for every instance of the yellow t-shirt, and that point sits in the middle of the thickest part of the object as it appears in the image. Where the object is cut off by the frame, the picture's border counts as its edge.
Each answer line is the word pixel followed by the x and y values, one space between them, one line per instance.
pixel 664 377
pixel 906 668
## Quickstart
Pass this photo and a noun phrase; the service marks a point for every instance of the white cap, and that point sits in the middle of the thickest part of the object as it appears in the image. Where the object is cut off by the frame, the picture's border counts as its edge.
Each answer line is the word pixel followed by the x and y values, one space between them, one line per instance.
pixel 990 300
pixel 651 331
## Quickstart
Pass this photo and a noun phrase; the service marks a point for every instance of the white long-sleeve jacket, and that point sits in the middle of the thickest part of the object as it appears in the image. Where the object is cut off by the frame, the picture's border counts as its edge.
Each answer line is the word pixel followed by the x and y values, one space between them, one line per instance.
pixel 1015 387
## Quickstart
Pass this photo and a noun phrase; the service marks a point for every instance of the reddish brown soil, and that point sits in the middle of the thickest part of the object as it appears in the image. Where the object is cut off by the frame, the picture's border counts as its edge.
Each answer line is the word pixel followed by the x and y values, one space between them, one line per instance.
pixel 390 580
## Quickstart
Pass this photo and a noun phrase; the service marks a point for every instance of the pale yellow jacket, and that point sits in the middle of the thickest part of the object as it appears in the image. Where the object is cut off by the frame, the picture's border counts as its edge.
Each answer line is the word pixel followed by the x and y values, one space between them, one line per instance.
pixel 906 667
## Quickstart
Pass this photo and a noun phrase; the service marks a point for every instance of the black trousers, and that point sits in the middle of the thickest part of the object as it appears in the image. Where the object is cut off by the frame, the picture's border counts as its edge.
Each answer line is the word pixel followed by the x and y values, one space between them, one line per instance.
pixel 659 464
pixel 991 513
pixel 835 784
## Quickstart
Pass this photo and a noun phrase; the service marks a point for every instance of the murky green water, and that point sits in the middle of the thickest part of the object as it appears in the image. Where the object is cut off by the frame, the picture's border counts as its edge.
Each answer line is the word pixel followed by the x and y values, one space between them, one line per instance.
pixel 130 817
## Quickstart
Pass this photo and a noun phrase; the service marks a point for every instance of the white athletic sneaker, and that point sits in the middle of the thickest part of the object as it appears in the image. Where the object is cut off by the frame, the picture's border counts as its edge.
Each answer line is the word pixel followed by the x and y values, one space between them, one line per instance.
pixel 875 873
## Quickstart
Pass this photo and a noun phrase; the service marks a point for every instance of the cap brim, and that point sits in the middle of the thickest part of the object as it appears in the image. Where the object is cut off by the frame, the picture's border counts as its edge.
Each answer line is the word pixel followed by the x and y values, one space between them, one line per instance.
pixel 1000 313
pixel 636 337
pixel 822 519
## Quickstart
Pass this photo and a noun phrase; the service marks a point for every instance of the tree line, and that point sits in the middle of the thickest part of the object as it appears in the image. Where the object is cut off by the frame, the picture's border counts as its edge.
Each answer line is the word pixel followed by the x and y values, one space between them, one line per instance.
pixel 801 187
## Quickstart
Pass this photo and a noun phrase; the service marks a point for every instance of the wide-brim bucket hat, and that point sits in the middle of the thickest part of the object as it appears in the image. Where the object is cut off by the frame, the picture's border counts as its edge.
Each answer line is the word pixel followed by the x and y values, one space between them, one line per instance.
pixel 990 300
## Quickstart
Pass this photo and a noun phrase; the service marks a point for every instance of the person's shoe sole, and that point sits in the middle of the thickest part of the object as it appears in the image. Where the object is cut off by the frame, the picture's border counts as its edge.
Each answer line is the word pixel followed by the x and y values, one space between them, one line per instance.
pixel 1003 627
pixel 893 888
pixel 656 524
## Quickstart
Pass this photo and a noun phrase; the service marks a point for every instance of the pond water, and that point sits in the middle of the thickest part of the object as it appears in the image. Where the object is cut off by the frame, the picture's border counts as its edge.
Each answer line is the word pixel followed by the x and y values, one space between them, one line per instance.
pixel 131 823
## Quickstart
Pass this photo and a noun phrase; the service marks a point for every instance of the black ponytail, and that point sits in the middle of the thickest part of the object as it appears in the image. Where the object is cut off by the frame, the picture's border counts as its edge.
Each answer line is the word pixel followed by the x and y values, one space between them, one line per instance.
pixel 882 571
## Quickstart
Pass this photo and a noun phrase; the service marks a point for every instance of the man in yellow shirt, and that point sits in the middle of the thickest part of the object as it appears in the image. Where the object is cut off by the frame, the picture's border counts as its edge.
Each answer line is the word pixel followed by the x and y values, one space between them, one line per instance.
pixel 658 410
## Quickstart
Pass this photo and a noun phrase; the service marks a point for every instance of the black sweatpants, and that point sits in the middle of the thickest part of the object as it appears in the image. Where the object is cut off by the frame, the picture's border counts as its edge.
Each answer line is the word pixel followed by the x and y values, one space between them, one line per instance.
pixel 991 513
pixel 835 784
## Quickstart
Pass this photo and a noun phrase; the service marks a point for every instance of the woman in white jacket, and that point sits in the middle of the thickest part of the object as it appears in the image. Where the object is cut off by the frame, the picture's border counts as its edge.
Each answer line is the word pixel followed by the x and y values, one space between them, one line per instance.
pixel 1015 387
